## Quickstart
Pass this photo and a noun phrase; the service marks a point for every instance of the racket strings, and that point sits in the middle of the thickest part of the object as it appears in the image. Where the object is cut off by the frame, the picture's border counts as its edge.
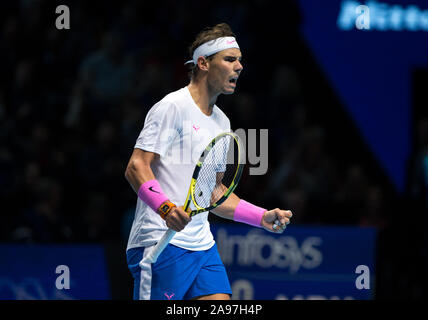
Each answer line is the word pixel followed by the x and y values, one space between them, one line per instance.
pixel 217 172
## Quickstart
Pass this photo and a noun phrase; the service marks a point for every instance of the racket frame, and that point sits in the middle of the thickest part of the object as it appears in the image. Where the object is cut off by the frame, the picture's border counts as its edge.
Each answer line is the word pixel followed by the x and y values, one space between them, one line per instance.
pixel 169 234
pixel 238 173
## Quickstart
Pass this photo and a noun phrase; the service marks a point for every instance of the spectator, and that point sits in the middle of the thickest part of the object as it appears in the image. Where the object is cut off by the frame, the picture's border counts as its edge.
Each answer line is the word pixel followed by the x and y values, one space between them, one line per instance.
pixel 68 99
pixel 44 220
pixel 107 74
pixel 374 209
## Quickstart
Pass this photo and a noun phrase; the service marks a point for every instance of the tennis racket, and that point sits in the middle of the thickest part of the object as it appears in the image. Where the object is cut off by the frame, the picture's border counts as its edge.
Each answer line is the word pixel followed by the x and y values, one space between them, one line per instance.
pixel 214 178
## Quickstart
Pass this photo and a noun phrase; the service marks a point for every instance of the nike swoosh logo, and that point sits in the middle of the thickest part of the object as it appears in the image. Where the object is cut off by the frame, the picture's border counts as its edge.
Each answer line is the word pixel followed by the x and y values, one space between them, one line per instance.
pixel 230 42
pixel 151 189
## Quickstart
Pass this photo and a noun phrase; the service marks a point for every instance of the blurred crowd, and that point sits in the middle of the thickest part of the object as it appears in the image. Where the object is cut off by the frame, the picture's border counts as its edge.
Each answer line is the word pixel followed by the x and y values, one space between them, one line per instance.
pixel 72 103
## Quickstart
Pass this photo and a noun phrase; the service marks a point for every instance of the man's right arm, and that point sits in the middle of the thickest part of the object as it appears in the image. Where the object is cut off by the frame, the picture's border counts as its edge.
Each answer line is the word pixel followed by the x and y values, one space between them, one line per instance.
pixel 138 171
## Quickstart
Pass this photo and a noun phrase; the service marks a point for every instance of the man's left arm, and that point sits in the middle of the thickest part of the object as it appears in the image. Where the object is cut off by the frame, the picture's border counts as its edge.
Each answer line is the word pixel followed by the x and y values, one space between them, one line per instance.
pixel 240 210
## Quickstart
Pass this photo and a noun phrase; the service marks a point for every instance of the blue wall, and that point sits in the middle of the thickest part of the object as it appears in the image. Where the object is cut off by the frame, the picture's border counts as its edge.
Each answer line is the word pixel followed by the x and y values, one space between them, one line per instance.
pixel 370 70
pixel 302 263
pixel 29 272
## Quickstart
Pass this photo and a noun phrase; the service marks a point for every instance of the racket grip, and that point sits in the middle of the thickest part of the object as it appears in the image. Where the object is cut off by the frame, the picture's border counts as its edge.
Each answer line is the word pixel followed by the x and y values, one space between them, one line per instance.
pixel 152 257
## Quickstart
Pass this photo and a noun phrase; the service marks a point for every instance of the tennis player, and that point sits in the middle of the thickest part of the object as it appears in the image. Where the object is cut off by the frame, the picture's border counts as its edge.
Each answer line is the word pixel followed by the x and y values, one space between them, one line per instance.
pixel 175 132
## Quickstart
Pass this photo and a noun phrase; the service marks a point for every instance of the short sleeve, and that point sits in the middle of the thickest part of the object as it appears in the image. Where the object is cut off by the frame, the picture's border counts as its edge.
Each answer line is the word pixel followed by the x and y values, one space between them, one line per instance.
pixel 161 127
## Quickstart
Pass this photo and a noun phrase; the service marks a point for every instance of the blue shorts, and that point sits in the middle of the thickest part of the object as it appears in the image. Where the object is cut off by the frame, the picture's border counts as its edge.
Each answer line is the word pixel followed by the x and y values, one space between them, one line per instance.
pixel 177 274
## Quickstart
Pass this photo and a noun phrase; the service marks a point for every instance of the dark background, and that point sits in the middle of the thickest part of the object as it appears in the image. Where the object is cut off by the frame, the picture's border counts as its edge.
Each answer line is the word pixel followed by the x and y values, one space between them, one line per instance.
pixel 72 103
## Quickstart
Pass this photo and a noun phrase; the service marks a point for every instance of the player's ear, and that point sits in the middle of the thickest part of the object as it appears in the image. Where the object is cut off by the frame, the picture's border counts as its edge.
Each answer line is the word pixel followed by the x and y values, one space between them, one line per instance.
pixel 203 63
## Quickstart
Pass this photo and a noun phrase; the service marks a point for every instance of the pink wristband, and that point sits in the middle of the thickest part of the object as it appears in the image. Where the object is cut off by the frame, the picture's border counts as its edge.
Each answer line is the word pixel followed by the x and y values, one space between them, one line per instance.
pixel 151 193
pixel 248 213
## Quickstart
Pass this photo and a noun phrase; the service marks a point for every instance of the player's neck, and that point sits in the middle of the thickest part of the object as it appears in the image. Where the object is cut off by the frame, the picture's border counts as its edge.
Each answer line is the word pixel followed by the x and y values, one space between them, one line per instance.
pixel 202 96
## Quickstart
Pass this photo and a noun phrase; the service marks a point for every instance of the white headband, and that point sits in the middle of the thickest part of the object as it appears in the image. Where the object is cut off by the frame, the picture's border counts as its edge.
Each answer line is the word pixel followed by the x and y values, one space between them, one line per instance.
pixel 208 48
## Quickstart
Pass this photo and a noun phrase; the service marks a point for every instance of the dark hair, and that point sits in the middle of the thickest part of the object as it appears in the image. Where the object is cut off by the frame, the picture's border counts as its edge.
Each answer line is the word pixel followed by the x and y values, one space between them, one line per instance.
pixel 208 34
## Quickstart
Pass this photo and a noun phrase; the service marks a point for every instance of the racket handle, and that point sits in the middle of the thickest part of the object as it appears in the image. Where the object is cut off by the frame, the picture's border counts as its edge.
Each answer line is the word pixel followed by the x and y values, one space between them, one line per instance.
pixel 152 257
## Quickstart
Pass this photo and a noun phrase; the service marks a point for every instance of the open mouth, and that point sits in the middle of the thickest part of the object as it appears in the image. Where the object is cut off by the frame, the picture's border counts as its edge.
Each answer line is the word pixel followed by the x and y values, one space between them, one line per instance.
pixel 233 80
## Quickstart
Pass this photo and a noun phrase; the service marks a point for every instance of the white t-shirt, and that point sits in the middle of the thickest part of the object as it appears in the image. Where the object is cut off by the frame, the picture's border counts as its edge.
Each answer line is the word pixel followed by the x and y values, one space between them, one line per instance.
pixel 177 130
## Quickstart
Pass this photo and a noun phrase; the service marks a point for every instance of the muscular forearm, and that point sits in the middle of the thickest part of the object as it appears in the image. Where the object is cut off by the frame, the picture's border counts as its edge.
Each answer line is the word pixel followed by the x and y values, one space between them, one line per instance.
pixel 227 208
pixel 138 170
pixel 239 210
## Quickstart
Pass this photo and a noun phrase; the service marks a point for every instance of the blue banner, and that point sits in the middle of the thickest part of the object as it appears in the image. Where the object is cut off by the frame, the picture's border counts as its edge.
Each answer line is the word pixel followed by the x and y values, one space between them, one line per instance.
pixel 367 51
pixel 302 263
pixel 53 272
